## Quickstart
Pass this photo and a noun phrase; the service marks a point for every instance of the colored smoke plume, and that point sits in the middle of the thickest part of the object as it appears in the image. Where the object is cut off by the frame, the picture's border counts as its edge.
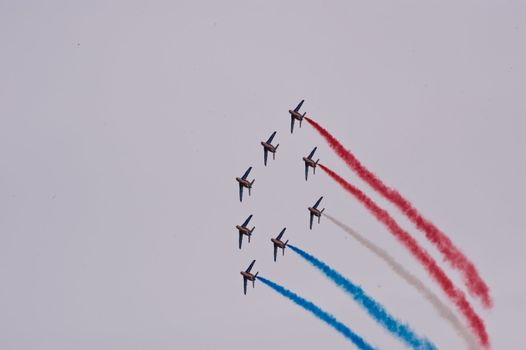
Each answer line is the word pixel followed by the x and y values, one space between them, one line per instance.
pixel 451 253
pixel 436 273
pixel 373 308
pixel 319 313
pixel 443 310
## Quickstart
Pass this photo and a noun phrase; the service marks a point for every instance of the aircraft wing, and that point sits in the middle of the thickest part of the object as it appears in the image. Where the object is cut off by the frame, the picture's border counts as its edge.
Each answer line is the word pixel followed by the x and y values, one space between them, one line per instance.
pixel 250 267
pixel 240 192
pixel 271 137
pixel 275 251
pixel 317 203
pixel 312 153
pixel 299 106
pixel 311 217
pixel 240 239
pixel 246 173
pixel 245 285
pixel 291 124
pixel 265 156
pixel 306 171
pixel 281 234
pixel 247 221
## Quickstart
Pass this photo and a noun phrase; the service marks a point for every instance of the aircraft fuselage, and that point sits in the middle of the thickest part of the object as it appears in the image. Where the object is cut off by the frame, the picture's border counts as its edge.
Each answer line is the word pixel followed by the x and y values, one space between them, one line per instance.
pixel 296 115
pixel 268 147
pixel 278 243
pixel 248 276
pixel 243 230
pixel 243 182
pixel 315 211
pixel 309 162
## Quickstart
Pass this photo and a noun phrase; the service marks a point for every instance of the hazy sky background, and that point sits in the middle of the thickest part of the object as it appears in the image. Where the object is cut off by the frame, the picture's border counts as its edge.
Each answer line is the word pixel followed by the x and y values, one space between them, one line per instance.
pixel 123 125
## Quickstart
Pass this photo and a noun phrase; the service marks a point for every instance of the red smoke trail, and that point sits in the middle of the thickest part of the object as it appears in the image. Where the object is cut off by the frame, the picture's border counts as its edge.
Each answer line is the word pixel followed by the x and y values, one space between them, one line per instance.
pixel 451 253
pixel 454 294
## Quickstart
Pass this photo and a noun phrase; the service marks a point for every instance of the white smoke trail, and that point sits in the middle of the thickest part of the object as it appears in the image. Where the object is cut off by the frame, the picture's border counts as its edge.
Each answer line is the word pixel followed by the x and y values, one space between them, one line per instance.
pixel 411 279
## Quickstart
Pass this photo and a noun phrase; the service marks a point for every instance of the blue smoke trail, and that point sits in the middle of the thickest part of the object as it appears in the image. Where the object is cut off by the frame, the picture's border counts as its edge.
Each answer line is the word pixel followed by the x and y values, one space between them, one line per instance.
pixel 322 315
pixel 374 309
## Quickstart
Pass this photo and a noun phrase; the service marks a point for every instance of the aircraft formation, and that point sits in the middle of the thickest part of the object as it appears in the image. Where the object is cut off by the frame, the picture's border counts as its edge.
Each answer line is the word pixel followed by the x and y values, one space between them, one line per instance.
pixel 472 280
pixel 243 182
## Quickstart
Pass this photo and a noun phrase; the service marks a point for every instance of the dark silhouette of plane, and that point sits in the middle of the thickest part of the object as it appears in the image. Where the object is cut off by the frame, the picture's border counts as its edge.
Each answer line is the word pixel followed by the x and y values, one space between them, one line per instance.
pixel 314 211
pixel 243 182
pixel 268 147
pixel 296 115
pixel 309 162
pixel 278 243
pixel 244 230
pixel 247 276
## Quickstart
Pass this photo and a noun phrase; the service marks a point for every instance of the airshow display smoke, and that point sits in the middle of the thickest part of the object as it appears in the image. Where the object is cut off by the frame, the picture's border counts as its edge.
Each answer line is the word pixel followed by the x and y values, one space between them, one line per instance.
pixel 319 313
pixel 438 275
pixel 443 310
pixel 451 253
pixel 375 310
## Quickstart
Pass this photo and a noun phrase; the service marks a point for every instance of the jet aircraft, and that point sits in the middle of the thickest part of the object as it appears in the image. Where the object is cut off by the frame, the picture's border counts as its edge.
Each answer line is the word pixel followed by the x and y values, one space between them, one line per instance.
pixel 296 115
pixel 244 230
pixel 247 276
pixel 314 211
pixel 243 182
pixel 268 147
pixel 309 162
pixel 278 243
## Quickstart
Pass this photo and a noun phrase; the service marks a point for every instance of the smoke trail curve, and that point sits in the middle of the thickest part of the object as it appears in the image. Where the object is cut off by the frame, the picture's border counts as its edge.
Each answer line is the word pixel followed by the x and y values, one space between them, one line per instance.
pixel 373 308
pixel 443 310
pixel 437 274
pixel 451 253
pixel 319 313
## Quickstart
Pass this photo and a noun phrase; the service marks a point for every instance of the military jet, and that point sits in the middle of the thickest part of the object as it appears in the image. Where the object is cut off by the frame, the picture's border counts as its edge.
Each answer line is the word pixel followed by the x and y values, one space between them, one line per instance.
pixel 247 276
pixel 278 243
pixel 243 182
pixel 309 162
pixel 314 211
pixel 244 230
pixel 296 115
pixel 267 147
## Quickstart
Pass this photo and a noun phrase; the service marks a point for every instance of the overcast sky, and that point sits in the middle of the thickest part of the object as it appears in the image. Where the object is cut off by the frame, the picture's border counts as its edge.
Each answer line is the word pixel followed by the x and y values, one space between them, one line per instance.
pixel 124 124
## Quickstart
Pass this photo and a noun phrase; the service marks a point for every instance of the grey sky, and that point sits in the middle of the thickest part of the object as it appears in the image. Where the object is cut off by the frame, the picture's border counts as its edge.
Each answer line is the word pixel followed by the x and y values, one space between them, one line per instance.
pixel 123 126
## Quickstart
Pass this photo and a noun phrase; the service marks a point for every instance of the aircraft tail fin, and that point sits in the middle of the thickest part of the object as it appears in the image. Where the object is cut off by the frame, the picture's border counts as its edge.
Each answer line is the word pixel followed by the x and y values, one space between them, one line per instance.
pixel 254 281
pixel 255 226
pixel 250 187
